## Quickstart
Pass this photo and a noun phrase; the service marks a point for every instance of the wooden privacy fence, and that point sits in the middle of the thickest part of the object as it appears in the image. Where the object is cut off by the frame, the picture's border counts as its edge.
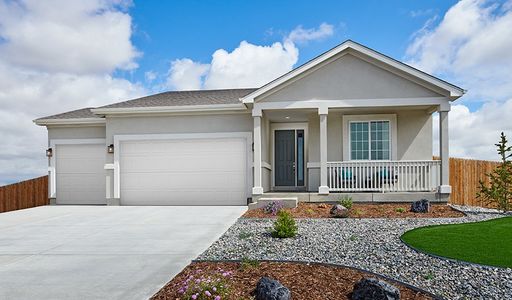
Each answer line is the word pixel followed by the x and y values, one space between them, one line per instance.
pixel 25 194
pixel 464 177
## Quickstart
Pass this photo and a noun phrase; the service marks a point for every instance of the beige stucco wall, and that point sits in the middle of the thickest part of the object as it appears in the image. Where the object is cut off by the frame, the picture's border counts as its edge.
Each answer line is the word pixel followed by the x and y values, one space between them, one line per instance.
pixel 414 130
pixel 83 132
pixel 349 77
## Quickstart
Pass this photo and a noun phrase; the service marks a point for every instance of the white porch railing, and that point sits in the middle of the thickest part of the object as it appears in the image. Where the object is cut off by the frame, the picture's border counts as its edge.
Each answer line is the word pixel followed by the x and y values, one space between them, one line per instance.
pixel 383 176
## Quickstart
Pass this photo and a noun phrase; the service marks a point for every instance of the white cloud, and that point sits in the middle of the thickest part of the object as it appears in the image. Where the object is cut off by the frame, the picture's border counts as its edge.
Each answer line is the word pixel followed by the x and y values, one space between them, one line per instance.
pixel 473 134
pixel 248 65
pixel 301 35
pixel 66 36
pixel 186 74
pixel 54 60
pixel 150 76
pixel 470 46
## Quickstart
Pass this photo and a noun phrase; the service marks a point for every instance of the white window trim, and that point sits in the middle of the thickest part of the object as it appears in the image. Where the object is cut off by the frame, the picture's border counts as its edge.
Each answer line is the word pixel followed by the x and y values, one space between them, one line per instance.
pixel 53 144
pixel 179 136
pixel 347 119
pixel 288 126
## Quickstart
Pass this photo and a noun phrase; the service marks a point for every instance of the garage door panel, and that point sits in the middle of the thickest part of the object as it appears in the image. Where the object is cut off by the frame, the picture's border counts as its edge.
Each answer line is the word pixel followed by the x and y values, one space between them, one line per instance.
pixel 184 172
pixel 188 198
pixel 180 163
pixel 74 165
pixel 80 177
pixel 185 181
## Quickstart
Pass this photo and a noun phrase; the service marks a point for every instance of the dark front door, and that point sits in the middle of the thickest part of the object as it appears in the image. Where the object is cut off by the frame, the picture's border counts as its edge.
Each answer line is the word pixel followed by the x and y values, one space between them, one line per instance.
pixel 284 157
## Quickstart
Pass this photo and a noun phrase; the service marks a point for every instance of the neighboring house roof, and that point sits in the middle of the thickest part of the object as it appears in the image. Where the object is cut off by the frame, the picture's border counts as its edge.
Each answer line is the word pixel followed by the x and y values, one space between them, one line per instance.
pixel 454 91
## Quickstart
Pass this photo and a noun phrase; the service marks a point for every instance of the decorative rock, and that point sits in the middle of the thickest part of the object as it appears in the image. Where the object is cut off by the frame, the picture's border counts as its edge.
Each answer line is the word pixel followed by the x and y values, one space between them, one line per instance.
pixel 339 211
pixel 421 206
pixel 374 289
pixel 270 289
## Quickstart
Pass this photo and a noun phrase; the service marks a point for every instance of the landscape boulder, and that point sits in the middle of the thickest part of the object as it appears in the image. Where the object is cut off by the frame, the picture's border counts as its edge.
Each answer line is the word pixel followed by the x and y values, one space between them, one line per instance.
pixel 270 289
pixel 339 211
pixel 374 289
pixel 421 206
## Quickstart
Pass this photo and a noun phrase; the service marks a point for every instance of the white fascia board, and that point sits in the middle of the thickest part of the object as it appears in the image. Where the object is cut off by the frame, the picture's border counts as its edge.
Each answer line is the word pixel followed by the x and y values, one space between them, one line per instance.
pixel 455 92
pixel 76 121
pixel 350 103
pixel 169 109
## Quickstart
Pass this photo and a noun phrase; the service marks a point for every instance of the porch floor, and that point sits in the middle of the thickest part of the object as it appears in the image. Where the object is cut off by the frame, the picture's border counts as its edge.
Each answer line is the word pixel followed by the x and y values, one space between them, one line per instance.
pixel 357 197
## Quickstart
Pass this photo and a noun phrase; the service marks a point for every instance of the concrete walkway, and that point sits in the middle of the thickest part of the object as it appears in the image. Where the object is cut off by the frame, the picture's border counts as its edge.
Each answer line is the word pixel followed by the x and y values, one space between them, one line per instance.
pixel 102 252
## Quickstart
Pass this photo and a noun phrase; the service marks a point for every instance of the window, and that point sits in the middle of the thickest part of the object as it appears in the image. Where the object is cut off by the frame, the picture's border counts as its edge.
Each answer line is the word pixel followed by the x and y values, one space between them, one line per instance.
pixel 369 140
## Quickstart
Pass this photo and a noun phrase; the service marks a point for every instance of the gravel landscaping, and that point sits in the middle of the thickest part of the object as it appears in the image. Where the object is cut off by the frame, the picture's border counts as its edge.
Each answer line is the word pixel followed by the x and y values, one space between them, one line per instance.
pixel 370 244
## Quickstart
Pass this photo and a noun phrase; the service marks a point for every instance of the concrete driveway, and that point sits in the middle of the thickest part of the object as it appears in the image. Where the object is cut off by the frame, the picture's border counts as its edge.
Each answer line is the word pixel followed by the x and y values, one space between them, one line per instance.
pixel 102 252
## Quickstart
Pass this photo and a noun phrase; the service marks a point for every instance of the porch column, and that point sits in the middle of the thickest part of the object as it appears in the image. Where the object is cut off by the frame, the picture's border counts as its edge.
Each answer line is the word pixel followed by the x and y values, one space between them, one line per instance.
pixel 323 189
pixel 444 152
pixel 257 189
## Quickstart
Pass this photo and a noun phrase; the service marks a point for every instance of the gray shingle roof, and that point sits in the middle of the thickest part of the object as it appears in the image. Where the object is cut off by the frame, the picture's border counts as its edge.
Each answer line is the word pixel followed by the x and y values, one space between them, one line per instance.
pixel 180 98
pixel 174 98
pixel 74 114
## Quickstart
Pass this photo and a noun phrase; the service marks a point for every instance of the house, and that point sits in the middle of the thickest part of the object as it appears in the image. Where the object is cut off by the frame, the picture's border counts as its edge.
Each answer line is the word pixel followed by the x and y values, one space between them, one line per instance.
pixel 351 120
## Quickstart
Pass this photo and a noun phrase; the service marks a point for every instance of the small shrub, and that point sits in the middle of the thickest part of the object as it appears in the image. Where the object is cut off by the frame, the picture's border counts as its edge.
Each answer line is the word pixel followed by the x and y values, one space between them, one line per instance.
pixel 400 210
pixel 201 286
pixel 429 276
pixel 499 190
pixel 346 202
pixel 273 207
pixel 284 226
pixel 244 235
pixel 310 211
pixel 247 263
pixel 358 213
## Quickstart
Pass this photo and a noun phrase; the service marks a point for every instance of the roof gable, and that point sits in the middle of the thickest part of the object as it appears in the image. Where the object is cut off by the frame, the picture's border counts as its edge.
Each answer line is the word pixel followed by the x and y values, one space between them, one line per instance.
pixel 399 68
pixel 348 77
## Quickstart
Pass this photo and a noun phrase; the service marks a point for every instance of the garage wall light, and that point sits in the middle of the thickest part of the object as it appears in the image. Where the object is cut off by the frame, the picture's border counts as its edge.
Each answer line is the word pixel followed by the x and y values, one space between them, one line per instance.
pixel 110 148
pixel 49 152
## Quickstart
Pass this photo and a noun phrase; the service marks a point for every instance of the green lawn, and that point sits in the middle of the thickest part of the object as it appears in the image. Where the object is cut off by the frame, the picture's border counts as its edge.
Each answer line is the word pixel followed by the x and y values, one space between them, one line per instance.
pixel 487 243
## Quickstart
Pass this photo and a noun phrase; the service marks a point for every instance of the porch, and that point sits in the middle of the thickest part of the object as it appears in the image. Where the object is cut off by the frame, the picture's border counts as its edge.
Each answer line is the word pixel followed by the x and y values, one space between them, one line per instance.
pixel 322 154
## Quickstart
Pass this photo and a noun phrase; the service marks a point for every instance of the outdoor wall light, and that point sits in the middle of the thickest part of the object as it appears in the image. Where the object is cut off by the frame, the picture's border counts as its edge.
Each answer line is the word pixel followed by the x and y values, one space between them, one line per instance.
pixel 49 152
pixel 110 148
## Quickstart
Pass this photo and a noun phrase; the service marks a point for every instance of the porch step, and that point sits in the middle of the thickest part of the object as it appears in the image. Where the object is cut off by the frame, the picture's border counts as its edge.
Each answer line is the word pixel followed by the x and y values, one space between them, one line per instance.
pixel 288 202
pixel 301 197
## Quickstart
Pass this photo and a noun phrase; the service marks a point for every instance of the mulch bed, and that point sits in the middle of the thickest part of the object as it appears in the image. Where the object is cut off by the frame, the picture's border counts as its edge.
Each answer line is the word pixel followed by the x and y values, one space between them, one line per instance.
pixel 305 281
pixel 359 210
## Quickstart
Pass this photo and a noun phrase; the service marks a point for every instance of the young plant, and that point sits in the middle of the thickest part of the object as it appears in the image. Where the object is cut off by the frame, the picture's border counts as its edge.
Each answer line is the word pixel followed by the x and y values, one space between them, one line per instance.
pixel 346 201
pixel 201 286
pixel 499 190
pixel 244 235
pixel 273 207
pixel 400 210
pixel 284 226
pixel 247 263
pixel 429 276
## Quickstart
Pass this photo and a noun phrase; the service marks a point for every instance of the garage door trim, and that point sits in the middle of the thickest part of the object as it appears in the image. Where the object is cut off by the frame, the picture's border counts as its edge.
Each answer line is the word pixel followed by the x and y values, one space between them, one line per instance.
pixel 180 136
pixel 51 169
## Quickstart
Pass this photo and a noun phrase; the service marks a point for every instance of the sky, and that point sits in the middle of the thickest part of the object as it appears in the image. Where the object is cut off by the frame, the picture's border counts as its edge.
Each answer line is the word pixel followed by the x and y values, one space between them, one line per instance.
pixel 59 55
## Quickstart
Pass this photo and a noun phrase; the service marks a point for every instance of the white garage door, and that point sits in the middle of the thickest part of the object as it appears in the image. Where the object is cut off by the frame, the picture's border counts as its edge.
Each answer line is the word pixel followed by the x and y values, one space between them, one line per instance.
pixel 80 177
pixel 184 172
